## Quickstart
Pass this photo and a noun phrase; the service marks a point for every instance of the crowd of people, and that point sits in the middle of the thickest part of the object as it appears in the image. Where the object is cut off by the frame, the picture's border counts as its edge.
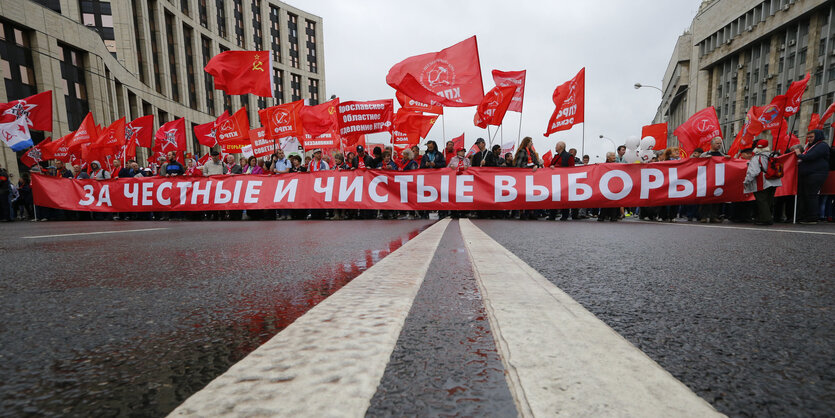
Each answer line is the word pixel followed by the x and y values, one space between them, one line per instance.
pixel 815 162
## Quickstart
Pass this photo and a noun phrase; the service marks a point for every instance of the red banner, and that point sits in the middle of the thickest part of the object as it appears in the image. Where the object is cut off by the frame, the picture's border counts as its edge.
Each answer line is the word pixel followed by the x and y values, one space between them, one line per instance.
pixel 657 131
pixel 570 100
pixel 794 94
pixel 360 118
pixel 261 145
pixel 282 120
pixel 512 78
pixel 691 181
pixel 324 141
pixel 242 72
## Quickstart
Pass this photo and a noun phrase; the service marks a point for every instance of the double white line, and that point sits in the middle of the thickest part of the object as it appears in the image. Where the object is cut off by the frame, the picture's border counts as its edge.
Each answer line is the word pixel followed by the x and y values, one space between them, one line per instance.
pixel 559 358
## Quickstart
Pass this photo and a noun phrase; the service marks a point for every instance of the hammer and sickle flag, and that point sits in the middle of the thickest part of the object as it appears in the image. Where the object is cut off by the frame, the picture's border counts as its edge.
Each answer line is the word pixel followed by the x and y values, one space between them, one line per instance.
pixel 243 72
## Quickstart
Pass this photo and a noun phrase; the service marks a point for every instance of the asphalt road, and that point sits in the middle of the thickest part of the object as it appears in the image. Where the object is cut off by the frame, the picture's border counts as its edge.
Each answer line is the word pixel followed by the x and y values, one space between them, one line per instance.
pixel 129 323
pixel 744 317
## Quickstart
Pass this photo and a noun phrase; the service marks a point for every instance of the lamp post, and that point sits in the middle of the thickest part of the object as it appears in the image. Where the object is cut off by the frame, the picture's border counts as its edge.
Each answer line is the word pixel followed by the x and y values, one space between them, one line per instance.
pixel 614 146
pixel 639 85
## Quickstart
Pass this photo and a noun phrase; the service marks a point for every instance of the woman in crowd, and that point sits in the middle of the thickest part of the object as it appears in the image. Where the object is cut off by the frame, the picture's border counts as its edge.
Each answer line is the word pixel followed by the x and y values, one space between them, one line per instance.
pixel 387 163
pixel 252 166
pixel 191 168
pixel 812 170
pixel 526 157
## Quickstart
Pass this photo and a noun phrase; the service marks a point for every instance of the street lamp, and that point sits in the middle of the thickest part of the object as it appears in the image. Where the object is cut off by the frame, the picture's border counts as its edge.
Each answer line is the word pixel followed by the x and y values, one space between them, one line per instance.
pixel 639 85
pixel 610 141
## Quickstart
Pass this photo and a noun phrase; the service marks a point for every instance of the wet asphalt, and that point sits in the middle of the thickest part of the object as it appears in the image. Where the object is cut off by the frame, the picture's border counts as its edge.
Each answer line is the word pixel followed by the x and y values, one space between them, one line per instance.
pixel 131 324
pixel 445 362
pixel 743 317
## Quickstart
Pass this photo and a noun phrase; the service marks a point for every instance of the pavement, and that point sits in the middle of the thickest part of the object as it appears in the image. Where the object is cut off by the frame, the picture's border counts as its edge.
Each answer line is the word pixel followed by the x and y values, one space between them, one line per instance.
pixel 495 318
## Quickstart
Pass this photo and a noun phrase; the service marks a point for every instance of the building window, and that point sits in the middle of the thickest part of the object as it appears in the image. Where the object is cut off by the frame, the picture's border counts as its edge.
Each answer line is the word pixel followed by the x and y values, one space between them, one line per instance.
pixel 278 77
pixel 204 13
pixel 206 49
pixel 172 57
pixel 257 34
pixel 275 33
pixel 293 37
pixel 98 16
pixel 802 57
pixel 184 7
pixel 155 35
pixel 75 88
pixel 227 99
pixel 313 89
pixel 220 6
pixel 295 87
pixel 16 62
pixel 245 101
pixel 310 34
pixel 54 5
pixel 239 22
pixel 188 40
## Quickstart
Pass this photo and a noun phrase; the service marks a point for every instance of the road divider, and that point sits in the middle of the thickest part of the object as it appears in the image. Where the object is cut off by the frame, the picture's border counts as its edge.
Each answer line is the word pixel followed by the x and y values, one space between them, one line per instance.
pixel 560 358
pixel 329 362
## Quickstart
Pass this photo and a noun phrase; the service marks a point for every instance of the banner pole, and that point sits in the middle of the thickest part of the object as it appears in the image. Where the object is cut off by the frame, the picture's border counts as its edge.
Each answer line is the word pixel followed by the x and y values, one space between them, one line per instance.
pixel 502 136
pixel 443 127
pixel 519 135
pixel 794 212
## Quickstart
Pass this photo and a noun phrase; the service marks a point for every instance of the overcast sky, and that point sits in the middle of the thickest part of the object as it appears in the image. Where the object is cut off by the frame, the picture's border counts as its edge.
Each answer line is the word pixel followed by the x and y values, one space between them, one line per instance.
pixel 619 42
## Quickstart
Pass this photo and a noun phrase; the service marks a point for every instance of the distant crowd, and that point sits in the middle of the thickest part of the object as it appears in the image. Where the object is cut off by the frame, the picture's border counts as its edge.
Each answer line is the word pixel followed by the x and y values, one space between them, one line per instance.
pixel 816 159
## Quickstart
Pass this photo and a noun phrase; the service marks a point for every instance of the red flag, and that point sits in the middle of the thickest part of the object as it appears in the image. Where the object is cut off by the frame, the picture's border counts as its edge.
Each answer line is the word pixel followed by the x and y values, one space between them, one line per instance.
pixel 234 128
pixel 410 127
pixel 85 133
pixel 794 94
pixel 36 109
pixel 657 131
pixel 472 151
pixel 546 159
pixel 829 111
pixel 320 118
pixel 450 77
pixel 458 142
pixel 782 140
pixel 141 131
pixel 770 115
pixel 699 130
pixel 407 103
pixel 261 145
pixel 512 78
pixel 360 118
pixel 325 141
pixel 111 137
pixel 58 150
pixel 206 133
pixel 171 136
pixel 283 120
pixel 34 154
pixel 242 72
pixel 569 98
pixel 493 107
pixel 814 122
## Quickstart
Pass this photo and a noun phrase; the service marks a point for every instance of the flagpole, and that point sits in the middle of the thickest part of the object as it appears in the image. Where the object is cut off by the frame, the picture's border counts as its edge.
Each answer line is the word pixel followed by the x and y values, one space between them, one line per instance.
pixel 502 137
pixel 519 136
pixel 583 146
pixel 443 127
pixel 489 135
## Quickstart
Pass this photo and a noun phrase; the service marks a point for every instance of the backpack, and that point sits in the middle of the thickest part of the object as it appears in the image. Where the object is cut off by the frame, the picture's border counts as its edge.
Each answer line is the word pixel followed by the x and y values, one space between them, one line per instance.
pixel 773 169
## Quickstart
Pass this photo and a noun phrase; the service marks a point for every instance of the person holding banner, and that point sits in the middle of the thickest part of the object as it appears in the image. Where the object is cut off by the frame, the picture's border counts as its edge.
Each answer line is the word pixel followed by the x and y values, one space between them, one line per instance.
pixel 362 160
pixel 432 158
pixel 812 170
pixel 526 157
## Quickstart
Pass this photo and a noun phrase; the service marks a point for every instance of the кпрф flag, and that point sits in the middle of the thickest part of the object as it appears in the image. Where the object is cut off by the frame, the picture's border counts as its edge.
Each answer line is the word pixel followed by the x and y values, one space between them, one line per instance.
pixel 493 107
pixel 450 77
pixel 242 72
pixel 569 98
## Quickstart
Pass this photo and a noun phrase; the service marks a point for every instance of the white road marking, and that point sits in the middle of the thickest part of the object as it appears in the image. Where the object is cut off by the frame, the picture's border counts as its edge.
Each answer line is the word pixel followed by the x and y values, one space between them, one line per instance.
pixel 94 233
pixel 761 229
pixel 330 361
pixel 560 359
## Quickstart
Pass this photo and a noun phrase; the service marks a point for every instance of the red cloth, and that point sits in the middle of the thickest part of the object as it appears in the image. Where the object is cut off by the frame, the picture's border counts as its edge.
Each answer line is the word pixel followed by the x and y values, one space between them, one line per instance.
pixel 570 100
pixel 794 94
pixel 449 77
pixel 512 78
pixel 283 120
pixel 412 126
pixel 493 107
pixel 699 130
pixel 34 154
pixel 407 103
pixel 171 136
pixel 242 72
pixel 85 133
pixel 319 119
pixel 657 131
pixel 37 108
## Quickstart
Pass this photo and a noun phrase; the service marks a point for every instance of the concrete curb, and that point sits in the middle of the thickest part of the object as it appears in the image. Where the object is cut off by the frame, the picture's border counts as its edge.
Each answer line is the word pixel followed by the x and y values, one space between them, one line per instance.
pixel 330 361
pixel 561 360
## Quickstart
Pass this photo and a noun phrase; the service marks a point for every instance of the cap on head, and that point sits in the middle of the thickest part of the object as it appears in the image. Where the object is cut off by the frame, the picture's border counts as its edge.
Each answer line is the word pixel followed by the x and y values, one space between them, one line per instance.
pixel 459 149
pixel 761 143
pixel 479 141
pixel 360 148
